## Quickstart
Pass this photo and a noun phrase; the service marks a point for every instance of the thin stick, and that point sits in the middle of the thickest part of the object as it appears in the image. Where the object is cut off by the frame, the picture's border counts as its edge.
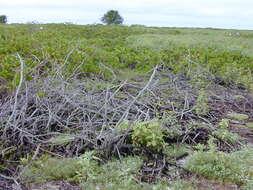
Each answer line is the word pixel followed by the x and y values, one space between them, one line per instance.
pixel 19 86
pixel 139 94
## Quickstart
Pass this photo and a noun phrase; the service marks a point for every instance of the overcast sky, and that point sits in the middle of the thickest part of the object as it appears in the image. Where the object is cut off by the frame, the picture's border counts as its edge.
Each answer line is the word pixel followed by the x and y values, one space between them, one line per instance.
pixel 236 14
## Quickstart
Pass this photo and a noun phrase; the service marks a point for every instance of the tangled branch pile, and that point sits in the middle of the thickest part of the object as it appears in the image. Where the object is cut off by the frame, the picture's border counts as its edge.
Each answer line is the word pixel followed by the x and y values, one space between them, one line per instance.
pixel 67 117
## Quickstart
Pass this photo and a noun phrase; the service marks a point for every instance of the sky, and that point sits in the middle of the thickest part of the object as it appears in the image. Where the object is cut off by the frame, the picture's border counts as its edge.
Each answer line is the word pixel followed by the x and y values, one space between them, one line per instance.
pixel 235 14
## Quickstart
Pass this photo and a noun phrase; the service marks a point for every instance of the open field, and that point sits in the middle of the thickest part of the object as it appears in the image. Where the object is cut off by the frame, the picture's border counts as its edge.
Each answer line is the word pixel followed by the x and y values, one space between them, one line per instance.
pixel 116 107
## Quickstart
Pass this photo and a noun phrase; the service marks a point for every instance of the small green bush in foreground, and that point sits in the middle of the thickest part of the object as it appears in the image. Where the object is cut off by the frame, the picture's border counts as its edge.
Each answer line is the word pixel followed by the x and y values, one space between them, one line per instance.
pixel 85 170
pixel 234 167
pixel 49 169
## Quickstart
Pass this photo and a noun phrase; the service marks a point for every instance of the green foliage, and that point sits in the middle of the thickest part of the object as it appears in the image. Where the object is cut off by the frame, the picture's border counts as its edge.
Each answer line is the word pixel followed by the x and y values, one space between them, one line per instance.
pixel 61 139
pixel 3 19
pixel 85 49
pixel 202 56
pixel 227 136
pixel 249 125
pixel 224 123
pixel 199 76
pixel 124 125
pixel 200 147
pixel 149 134
pixel 201 107
pixel 239 117
pixel 224 134
pixel 86 170
pixel 47 169
pixel 175 150
pixel 211 144
pixel 88 166
pixel 172 128
pixel 41 94
pixel 203 60
pixel 112 175
pixel 112 17
pixel 234 167
pixel 181 185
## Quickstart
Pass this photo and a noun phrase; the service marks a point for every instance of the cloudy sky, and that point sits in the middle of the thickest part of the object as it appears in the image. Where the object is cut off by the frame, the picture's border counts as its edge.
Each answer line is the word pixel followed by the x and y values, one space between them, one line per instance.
pixel 236 14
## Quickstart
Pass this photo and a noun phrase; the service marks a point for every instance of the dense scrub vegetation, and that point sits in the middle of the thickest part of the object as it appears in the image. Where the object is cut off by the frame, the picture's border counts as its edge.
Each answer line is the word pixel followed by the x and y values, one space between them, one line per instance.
pixel 87 49
pixel 117 107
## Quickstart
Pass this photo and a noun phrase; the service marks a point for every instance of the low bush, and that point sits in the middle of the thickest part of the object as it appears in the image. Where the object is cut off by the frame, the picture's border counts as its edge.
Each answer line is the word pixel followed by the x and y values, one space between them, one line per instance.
pixel 234 167
pixel 149 134
pixel 48 169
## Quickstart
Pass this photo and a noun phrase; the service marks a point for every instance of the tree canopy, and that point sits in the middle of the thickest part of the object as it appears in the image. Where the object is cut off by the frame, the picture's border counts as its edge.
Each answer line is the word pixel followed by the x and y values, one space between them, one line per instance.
pixel 3 19
pixel 112 17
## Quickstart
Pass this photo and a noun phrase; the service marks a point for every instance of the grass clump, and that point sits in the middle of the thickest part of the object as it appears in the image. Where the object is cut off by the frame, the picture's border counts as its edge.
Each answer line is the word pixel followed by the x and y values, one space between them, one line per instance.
pixel 201 107
pixel 176 150
pixel 227 136
pixel 89 173
pixel 224 134
pixel 224 123
pixel 47 169
pixel 225 167
pixel 113 175
pixel 238 116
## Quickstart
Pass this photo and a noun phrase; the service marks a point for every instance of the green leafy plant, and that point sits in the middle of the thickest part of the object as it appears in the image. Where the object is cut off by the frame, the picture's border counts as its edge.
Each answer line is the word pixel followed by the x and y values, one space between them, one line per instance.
pixel 149 134
pixel 120 48
pixel 172 128
pixel 200 147
pixel 124 125
pixel 201 107
pixel 176 150
pixel 224 123
pixel 113 175
pixel 226 135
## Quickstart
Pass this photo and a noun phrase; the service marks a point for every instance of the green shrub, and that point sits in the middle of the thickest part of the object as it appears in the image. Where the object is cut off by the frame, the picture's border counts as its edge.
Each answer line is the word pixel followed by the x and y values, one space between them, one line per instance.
pixel 224 123
pixel 124 126
pixel 114 175
pixel 234 167
pixel 175 150
pixel 227 136
pixel 47 169
pixel 148 134
pixel 171 126
pixel 201 107
pixel 120 47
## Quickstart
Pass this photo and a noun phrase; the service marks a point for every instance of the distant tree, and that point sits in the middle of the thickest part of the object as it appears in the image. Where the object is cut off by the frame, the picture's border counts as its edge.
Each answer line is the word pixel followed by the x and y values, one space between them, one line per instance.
pixel 112 17
pixel 3 19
